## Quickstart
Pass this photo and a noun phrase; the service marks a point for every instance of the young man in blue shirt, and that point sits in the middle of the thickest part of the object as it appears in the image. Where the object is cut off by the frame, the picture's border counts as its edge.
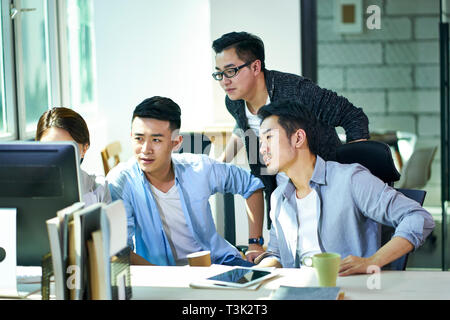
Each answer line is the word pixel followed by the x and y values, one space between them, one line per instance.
pixel 326 206
pixel 166 194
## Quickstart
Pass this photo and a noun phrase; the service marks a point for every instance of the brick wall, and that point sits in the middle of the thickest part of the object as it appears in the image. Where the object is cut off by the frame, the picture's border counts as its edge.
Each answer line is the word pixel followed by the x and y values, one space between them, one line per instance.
pixel 392 73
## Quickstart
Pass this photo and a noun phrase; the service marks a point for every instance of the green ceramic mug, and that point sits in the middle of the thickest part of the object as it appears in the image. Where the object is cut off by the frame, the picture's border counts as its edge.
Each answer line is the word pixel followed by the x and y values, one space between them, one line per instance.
pixel 326 265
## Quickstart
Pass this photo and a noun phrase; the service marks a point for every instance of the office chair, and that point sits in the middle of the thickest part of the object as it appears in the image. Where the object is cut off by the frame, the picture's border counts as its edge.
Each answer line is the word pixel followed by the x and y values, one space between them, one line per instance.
pixel 376 156
pixel 417 171
pixel 391 139
pixel 112 150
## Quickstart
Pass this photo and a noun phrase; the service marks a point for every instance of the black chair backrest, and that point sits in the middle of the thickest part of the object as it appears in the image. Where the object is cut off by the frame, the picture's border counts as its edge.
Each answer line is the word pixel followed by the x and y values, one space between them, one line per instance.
pixel 194 142
pixel 415 194
pixel 374 155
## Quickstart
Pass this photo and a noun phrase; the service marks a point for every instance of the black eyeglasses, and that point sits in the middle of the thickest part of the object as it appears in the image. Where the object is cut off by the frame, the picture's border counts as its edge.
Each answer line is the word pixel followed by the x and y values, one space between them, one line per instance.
pixel 229 72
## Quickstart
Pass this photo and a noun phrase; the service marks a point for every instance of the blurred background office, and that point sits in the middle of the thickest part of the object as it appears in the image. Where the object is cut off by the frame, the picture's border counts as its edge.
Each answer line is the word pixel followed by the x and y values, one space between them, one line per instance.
pixel 103 57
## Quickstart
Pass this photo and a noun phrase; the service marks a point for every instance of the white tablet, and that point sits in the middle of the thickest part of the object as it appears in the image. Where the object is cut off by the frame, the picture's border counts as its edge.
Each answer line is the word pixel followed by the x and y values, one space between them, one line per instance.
pixel 238 277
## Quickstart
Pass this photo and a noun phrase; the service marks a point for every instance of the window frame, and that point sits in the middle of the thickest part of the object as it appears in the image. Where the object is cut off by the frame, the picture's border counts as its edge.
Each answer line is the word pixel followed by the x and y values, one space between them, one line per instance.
pixel 57 66
pixel 9 88
pixel 53 78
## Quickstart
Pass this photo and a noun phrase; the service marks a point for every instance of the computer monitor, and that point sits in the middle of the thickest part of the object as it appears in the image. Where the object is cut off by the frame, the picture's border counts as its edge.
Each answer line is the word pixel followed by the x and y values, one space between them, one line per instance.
pixel 38 179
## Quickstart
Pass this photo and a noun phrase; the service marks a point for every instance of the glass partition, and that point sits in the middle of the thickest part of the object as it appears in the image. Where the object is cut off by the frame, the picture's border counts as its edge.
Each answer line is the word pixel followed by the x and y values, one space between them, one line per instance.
pixel 387 63
pixel 3 127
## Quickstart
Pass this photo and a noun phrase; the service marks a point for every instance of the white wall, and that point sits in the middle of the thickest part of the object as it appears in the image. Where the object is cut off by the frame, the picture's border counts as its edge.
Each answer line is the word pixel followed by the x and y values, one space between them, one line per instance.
pixel 146 48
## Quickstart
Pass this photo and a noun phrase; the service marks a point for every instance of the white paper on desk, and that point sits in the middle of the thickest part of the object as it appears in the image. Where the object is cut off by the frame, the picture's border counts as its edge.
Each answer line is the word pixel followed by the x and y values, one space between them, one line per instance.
pixel 8 283
pixel 117 218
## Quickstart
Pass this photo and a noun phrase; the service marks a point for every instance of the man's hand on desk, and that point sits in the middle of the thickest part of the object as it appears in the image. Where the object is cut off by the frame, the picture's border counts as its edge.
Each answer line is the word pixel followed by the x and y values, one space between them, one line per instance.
pixel 392 250
pixel 265 260
pixel 355 265
pixel 231 149
pixel 254 250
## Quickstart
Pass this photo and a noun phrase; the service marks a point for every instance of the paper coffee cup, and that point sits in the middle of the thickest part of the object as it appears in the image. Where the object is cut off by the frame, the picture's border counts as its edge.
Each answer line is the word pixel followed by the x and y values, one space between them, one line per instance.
pixel 199 259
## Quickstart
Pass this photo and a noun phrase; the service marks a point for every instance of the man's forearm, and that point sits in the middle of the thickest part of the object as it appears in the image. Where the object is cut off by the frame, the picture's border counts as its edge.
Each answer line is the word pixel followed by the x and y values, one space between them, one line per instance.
pixel 338 111
pixel 353 119
pixel 255 212
pixel 391 251
pixel 269 262
pixel 232 148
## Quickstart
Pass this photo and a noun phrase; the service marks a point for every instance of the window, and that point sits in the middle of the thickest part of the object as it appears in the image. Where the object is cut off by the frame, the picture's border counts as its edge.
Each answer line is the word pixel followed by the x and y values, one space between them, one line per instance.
pixel 7 112
pixel 33 64
pixel 80 52
pixel 53 62
pixel 2 81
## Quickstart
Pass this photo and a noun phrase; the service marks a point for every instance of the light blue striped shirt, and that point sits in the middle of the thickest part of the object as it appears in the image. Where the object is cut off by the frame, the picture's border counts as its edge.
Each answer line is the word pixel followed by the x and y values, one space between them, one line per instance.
pixel 197 177
pixel 352 205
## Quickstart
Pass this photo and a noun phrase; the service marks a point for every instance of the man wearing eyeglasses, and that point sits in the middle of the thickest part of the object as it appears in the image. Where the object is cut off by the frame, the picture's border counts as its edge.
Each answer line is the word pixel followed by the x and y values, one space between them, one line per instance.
pixel 241 72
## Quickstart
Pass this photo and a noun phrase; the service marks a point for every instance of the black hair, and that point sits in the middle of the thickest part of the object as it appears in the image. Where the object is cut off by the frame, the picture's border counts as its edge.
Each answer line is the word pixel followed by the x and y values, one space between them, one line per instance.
pixel 159 108
pixel 291 117
pixel 248 46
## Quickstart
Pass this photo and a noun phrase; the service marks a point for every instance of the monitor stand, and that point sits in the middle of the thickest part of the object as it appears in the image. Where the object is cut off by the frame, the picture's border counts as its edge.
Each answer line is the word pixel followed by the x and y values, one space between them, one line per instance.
pixel 8 257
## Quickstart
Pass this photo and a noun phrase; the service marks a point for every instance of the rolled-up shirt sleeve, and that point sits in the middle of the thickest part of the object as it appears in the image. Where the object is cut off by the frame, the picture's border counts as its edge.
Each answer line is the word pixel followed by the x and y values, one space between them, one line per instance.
pixel 387 206
pixel 273 250
pixel 229 178
pixel 238 131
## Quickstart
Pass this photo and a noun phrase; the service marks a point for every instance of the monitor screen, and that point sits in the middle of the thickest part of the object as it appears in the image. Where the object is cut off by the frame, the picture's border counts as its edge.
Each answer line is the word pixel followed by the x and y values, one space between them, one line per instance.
pixel 37 179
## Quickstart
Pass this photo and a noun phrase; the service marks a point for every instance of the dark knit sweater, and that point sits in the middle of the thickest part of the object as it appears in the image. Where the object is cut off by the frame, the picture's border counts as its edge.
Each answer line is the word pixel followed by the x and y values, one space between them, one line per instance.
pixel 330 109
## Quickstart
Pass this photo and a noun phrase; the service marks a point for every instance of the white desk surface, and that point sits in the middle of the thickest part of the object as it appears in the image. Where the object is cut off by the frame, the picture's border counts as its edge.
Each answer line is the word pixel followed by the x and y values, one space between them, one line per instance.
pixel 172 283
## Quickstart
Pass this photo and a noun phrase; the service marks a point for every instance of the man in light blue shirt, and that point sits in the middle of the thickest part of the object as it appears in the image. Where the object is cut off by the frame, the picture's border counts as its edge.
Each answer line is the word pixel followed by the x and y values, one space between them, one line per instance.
pixel 166 195
pixel 326 206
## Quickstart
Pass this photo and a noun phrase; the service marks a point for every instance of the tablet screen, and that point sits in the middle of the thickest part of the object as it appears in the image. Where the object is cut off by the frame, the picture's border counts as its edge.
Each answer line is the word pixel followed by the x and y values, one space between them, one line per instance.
pixel 241 276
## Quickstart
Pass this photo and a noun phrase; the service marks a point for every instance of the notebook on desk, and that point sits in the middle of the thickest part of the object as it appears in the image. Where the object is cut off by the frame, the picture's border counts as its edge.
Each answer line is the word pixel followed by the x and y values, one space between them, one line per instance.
pixel 307 293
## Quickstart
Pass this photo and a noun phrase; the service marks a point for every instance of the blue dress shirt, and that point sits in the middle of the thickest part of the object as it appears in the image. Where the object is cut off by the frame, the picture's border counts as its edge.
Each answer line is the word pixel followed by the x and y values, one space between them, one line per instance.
pixel 353 203
pixel 197 177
